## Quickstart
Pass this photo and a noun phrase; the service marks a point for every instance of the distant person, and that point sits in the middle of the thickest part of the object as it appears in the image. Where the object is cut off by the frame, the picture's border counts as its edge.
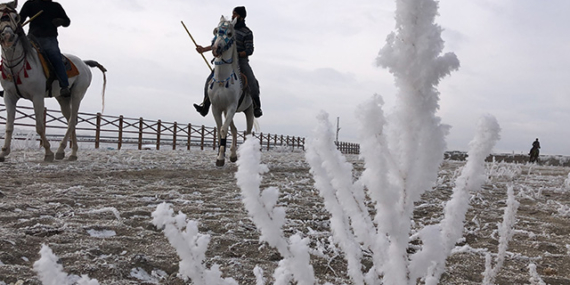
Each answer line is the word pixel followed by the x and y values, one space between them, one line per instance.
pixel 536 144
pixel 534 151
pixel 244 42
pixel 43 30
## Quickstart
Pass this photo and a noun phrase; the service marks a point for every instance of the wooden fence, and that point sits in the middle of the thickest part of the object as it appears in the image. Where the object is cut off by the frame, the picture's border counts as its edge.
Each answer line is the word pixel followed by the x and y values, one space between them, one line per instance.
pixel 120 132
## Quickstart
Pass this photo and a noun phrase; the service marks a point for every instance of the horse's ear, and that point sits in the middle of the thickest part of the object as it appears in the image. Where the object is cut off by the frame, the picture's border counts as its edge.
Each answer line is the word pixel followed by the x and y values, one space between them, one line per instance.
pixel 222 18
pixel 234 21
pixel 13 4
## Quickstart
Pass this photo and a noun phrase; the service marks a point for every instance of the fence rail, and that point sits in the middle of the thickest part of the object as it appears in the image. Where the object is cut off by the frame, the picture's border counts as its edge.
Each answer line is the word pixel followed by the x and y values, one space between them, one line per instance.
pixel 122 132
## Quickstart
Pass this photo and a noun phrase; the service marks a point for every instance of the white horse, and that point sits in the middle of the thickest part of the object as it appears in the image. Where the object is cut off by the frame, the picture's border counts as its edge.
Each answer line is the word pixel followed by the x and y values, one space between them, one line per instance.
pixel 23 77
pixel 225 89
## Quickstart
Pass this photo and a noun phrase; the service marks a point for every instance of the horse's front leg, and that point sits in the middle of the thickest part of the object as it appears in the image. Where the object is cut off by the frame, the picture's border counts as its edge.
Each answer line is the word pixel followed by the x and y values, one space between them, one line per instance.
pixel 221 137
pixel 40 128
pixel 11 115
pixel 233 148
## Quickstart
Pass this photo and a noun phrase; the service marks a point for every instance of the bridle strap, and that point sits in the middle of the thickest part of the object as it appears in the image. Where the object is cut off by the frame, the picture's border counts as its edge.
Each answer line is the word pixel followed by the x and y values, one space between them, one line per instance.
pixel 10 65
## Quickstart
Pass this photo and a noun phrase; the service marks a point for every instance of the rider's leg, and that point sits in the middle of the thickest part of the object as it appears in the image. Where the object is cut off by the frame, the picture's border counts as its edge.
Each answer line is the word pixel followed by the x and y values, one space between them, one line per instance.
pixel 50 47
pixel 253 86
pixel 205 106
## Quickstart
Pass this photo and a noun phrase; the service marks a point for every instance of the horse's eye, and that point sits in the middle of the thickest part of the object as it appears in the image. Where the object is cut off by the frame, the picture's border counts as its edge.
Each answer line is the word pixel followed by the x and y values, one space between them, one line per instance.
pixel 215 31
pixel 230 34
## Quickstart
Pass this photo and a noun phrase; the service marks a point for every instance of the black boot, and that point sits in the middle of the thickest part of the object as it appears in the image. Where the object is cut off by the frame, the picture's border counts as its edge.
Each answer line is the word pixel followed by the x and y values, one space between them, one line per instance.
pixel 257 112
pixel 203 108
pixel 65 92
pixel 256 107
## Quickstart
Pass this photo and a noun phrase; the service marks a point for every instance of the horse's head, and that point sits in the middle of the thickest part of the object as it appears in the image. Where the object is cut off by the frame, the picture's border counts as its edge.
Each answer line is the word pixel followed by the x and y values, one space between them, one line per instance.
pixel 9 23
pixel 224 36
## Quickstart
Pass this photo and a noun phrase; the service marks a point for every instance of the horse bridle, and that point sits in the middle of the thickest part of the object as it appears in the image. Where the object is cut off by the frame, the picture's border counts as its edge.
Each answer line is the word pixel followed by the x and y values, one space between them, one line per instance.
pixel 6 13
pixel 223 31
pixel 14 25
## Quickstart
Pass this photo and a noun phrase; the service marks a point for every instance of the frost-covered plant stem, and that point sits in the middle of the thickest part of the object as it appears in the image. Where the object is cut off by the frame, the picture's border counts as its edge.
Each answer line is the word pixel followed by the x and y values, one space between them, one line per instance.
pixel 506 231
pixel 269 219
pixel 415 135
pixel 534 277
pixel 344 200
pixel 435 251
pixel 51 273
pixel 190 246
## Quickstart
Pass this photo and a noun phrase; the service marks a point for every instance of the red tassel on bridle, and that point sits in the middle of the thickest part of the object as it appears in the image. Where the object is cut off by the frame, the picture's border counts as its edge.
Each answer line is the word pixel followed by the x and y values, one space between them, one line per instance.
pixel 2 69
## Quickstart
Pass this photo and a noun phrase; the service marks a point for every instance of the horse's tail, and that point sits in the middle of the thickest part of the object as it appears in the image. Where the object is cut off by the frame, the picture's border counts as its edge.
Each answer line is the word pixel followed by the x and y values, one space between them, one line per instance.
pixel 92 63
pixel 256 125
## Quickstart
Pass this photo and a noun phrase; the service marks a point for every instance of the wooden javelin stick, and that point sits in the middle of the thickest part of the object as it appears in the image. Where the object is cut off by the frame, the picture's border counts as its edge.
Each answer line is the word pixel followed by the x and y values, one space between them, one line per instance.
pixel 32 18
pixel 205 60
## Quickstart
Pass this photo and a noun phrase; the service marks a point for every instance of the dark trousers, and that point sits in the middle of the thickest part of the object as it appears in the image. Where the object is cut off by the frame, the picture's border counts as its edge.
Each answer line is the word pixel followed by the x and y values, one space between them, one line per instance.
pixel 50 47
pixel 251 81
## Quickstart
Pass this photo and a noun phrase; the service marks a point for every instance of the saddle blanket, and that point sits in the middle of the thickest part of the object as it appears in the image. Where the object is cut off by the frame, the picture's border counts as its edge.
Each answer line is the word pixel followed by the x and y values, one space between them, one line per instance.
pixel 70 67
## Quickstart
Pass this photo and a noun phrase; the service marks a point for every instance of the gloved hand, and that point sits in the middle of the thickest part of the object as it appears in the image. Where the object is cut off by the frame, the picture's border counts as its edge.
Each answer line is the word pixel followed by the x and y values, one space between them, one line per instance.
pixel 58 22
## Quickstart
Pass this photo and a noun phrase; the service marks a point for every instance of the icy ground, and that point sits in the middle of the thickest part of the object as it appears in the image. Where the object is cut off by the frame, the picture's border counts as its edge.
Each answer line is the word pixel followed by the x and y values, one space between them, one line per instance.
pixel 95 214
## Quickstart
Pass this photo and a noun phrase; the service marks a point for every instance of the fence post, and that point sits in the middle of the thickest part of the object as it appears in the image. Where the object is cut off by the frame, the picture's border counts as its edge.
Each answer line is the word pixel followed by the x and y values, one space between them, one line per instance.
pixel 189 136
pixel 275 140
pixel 293 143
pixel 140 132
pixel 268 141
pixel 98 130
pixel 260 141
pixel 45 126
pixel 158 131
pixel 202 138
pixel 214 139
pixel 174 136
pixel 120 145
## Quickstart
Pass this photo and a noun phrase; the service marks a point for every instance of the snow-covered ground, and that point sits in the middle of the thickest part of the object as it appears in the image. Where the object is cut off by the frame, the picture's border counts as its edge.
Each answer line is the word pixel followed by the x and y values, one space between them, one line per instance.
pixel 95 214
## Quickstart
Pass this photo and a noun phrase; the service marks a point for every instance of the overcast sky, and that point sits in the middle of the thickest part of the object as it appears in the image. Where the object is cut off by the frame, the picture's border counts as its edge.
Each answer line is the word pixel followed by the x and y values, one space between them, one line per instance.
pixel 320 55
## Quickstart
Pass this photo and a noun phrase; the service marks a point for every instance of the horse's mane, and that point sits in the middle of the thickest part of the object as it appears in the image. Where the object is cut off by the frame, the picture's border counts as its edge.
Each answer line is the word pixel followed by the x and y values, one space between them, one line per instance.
pixel 235 61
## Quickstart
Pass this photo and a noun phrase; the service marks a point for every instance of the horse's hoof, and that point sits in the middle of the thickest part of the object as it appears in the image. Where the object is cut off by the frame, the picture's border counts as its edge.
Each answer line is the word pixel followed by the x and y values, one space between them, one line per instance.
pixel 72 157
pixel 220 162
pixel 49 157
pixel 59 155
pixel 233 158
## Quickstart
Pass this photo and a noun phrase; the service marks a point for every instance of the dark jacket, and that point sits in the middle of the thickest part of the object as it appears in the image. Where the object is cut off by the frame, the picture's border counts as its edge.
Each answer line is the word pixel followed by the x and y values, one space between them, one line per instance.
pixel 43 25
pixel 244 38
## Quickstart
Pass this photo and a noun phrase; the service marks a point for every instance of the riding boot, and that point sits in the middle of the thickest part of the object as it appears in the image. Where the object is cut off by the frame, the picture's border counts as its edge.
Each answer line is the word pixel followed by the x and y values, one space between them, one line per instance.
pixel 204 107
pixel 65 92
pixel 256 106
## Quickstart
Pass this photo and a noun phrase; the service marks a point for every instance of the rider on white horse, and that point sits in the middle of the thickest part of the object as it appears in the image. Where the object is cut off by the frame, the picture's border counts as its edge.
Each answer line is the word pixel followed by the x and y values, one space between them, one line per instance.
pixel 44 32
pixel 244 41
